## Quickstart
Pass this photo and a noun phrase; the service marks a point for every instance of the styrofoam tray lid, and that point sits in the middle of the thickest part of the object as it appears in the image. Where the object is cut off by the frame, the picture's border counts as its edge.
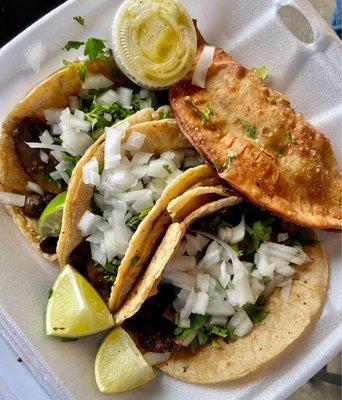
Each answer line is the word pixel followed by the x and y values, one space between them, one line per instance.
pixel 254 33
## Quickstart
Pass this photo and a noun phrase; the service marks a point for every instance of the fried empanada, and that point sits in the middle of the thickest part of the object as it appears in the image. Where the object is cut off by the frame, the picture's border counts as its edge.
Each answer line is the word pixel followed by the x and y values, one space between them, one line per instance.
pixel 256 142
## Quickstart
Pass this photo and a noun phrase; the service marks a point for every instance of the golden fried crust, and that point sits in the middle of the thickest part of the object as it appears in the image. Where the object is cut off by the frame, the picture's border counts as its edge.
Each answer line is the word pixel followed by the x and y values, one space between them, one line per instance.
pixel 288 166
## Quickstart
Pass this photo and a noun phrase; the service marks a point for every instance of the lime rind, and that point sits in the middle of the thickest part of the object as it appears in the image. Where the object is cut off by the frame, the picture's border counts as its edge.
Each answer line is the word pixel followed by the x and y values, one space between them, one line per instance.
pixel 75 309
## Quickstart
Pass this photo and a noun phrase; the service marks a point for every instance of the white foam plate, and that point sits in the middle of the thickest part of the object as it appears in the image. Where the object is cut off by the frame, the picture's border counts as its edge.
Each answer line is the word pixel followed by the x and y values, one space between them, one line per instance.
pixel 253 32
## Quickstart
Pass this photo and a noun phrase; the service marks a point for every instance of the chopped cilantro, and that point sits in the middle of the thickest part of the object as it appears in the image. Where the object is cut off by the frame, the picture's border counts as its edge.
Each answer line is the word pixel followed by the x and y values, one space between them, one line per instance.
pixel 167 168
pixel 50 292
pixel 112 267
pixel 216 344
pixel 72 44
pixel 194 344
pixel 263 72
pixel 256 312
pixel 82 71
pixel 68 63
pixel 197 321
pixel 249 128
pixel 72 161
pixel 79 20
pixel 219 331
pixel 205 115
pixel 260 231
pixel 135 220
pixel 165 114
pixel 134 260
pixel 231 154
pixel 94 47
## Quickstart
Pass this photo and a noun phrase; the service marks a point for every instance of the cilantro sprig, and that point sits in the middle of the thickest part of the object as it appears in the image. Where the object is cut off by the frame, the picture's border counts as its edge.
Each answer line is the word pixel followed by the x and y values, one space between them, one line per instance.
pixel 205 115
pixel 250 129
pixel 79 20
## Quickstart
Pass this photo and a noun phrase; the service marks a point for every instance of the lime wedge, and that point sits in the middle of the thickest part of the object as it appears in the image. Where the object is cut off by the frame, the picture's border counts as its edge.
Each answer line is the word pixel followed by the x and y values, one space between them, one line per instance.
pixel 50 222
pixel 119 365
pixel 75 308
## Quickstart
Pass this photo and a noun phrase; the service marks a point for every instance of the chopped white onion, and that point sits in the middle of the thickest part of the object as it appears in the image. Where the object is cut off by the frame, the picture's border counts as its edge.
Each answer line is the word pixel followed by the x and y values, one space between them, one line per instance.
pixel 156 358
pixel 135 141
pixel 200 303
pixel 125 97
pixel 46 138
pixel 180 279
pixel 184 323
pixel 238 232
pixel 86 223
pixel 52 115
pixel 37 145
pixel 112 155
pixel 282 237
pixel 200 74
pixel 90 172
pixel 241 322
pixel 97 82
pixel 34 56
pixel 220 308
pixel 109 97
pixel 219 320
pixel 34 187
pixel 12 199
pixel 189 304
pixel 43 156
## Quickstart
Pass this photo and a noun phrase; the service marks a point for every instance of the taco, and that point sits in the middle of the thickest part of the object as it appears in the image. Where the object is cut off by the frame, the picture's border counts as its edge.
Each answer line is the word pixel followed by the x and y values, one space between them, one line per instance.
pixel 116 211
pixel 256 142
pixel 46 134
pixel 228 290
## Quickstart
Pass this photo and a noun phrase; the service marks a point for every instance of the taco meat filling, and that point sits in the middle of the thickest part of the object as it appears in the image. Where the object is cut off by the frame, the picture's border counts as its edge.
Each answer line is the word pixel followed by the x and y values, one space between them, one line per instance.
pixel 216 286
pixel 29 130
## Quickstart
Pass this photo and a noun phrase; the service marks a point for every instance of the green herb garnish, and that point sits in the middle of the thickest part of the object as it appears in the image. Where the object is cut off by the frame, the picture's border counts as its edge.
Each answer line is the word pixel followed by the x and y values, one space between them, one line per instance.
pixel 231 154
pixel 165 114
pixel 72 44
pixel 215 344
pixel 263 72
pixel 259 232
pixel 79 20
pixel 94 48
pixel 82 71
pixel 167 168
pixel 72 161
pixel 205 115
pixel 135 220
pixel 249 128
pixel 256 312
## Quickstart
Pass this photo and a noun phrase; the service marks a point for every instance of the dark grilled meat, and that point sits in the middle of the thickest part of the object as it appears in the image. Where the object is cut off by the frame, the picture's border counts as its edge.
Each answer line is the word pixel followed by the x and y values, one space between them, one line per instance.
pixel 29 130
pixel 81 259
pixel 48 245
pixel 35 204
pixel 153 331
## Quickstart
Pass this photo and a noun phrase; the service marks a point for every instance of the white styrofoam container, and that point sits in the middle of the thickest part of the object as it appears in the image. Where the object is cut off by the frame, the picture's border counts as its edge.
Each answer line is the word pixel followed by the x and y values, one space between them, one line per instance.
pixel 252 31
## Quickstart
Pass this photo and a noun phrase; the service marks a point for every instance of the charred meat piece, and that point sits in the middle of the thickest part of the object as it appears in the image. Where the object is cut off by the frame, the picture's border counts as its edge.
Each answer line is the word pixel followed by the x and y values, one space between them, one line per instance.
pixel 81 259
pixel 29 130
pixel 153 331
pixel 48 245
pixel 35 203
pixel 98 277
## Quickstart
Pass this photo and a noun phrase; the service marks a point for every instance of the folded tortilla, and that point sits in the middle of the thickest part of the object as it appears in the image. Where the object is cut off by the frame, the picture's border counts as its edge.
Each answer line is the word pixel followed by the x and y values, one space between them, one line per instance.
pixel 161 135
pixel 286 322
pixel 53 92
pixel 257 143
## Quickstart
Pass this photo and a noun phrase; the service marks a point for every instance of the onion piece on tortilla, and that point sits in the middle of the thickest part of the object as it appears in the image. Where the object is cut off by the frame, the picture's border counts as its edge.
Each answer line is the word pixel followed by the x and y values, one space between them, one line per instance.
pixel 12 199
pixel 156 358
pixel 34 187
pixel 200 74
